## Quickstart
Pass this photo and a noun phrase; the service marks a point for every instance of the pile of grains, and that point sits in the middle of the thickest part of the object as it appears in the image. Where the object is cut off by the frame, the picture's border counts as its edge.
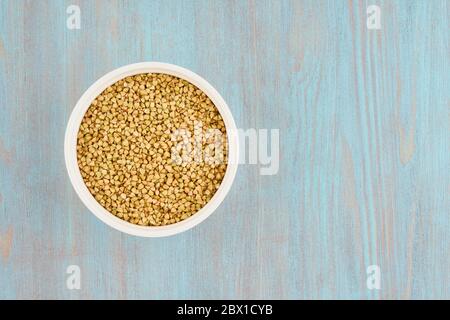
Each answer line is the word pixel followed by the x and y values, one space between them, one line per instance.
pixel 125 145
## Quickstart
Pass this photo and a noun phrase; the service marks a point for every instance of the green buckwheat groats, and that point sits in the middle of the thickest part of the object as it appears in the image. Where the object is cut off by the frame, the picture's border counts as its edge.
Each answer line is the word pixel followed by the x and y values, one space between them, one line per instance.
pixel 126 144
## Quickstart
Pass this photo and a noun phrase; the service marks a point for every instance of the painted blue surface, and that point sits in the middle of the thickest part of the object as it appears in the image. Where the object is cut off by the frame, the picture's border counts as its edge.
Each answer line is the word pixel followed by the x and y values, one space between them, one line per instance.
pixel 364 149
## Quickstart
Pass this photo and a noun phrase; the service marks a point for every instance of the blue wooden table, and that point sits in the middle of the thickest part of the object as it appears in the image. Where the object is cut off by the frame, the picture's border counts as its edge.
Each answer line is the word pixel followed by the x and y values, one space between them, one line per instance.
pixel 364 127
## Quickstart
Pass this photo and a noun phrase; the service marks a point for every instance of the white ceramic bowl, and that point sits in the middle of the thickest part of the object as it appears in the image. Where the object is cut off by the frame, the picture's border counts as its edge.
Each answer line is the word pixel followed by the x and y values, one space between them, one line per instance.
pixel 71 153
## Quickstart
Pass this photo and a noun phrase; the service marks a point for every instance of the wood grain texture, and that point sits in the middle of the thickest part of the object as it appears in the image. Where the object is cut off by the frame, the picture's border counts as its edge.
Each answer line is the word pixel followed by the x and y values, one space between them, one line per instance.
pixel 364 149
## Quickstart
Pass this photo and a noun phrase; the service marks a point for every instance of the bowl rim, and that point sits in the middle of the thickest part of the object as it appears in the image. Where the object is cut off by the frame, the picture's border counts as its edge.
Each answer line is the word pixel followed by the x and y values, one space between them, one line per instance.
pixel 70 153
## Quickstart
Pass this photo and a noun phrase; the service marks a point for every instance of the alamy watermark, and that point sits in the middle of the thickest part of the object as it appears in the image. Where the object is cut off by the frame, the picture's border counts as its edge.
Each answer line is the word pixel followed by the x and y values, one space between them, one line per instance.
pixel 209 145
pixel 373 22
pixel 373 17
pixel 373 281
pixel 73 21
pixel 73 281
